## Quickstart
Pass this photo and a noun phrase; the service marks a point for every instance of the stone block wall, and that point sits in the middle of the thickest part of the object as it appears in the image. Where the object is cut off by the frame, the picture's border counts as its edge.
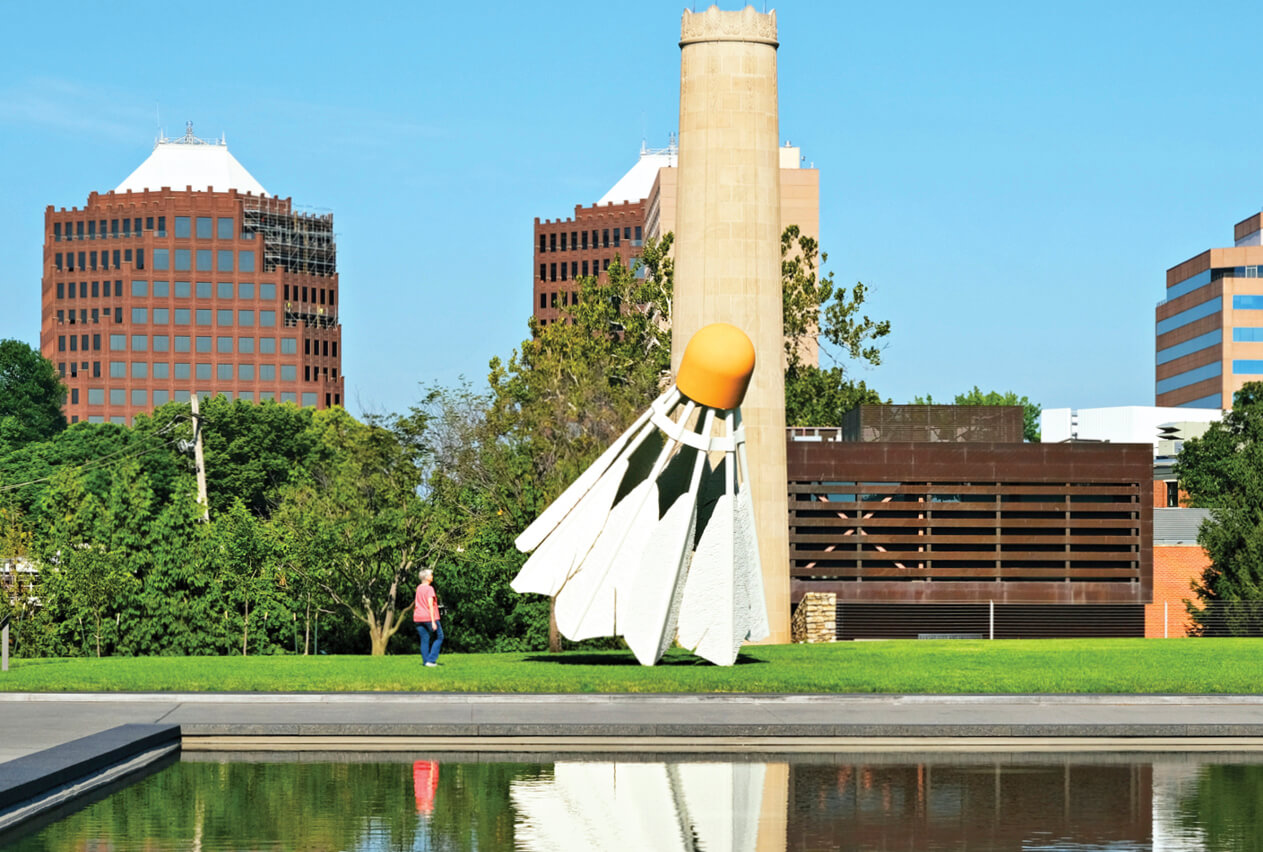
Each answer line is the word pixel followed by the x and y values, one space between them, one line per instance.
pixel 816 618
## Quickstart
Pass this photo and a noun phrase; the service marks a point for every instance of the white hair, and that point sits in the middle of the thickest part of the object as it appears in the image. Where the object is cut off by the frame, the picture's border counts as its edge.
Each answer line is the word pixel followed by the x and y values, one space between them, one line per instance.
pixel 427 574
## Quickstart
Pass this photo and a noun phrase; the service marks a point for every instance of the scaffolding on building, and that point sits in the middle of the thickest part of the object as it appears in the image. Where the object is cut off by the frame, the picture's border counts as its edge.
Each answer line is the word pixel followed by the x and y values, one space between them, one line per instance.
pixel 309 317
pixel 294 241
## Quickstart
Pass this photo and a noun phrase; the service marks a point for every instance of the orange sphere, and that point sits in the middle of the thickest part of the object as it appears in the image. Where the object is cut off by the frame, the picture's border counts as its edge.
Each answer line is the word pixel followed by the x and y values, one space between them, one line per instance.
pixel 716 367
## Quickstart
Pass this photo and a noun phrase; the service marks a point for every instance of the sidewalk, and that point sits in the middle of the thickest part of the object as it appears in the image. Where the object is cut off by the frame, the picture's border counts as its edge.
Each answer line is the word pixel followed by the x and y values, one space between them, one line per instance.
pixel 45 720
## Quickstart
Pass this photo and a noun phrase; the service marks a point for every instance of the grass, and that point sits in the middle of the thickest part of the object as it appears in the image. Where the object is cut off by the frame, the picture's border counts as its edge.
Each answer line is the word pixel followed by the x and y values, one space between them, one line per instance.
pixel 1187 666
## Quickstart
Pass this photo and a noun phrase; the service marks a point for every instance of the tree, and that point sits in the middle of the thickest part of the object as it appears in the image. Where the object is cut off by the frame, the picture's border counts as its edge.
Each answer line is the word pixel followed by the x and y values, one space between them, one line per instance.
pixel 1030 411
pixel 814 307
pixel 1223 471
pixel 31 395
pixel 356 523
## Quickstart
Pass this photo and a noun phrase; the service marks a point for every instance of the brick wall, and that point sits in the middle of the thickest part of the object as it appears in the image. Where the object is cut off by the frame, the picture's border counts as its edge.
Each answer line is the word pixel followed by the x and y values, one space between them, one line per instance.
pixel 1174 567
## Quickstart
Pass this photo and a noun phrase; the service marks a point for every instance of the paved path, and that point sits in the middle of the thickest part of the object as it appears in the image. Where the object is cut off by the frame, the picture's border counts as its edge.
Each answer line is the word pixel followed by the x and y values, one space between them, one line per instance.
pixel 37 721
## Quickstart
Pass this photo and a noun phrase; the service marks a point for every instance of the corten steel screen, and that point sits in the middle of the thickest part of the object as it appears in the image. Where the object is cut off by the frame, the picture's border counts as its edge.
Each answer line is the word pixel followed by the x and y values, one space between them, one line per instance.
pixel 1010 523
pixel 934 423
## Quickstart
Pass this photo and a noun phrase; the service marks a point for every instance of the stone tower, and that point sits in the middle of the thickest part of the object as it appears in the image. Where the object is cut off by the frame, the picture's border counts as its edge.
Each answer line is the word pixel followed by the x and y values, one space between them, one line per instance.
pixel 727 244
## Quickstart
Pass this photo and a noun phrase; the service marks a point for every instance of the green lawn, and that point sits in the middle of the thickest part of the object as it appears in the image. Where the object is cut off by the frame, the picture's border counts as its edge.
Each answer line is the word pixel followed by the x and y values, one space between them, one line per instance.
pixel 949 666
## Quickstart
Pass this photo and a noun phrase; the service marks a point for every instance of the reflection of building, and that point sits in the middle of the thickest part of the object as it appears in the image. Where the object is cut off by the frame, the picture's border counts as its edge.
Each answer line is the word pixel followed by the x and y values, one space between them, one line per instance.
pixel 919 527
pixel 957 804
pixel 189 278
pixel 1209 333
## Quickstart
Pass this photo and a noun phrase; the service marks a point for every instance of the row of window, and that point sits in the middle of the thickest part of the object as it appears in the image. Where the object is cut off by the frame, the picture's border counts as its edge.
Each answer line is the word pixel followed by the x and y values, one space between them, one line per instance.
pixel 181 316
pixel 87 229
pixel 1190 377
pixel 1206 276
pixel 1243 302
pixel 165 289
pixel 205 228
pixel 549 300
pixel 141 397
pixel 203 260
pixel 1196 344
pixel 180 342
pixel 579 239
pixel 548 271
pixel 88 260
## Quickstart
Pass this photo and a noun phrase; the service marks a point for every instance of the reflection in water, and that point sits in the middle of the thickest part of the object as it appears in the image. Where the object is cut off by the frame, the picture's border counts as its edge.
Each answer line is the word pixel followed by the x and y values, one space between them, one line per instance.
pixel 827 801
pixel 659 806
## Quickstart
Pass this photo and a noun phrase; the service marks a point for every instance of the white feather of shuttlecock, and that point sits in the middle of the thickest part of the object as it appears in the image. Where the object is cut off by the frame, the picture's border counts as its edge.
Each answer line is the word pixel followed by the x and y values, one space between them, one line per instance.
pixel 655 541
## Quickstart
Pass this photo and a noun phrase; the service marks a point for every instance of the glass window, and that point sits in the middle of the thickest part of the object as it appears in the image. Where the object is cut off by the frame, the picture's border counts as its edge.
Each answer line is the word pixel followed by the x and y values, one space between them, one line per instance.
pixel 1212 338
pixel 267 318
pixel 181 370
pixel 223 317
pixel 223 260
pixel 140 289
pixel 140 316
pixel 161 370
pixel 161 290
pixel 223 344
pixel 1243 367
pixel 267 291
pixel 96 396
pixel 204 289
pixel 223 227
pixel 1189 377
pixel 309 400
pixel 289 396
pixel 224 290
pixel 203 344
pixel 245 345
pixel 118 396
pixel 203 371
pixel 224 372
pixel 182 316
pixel 140 369
pixel 161 343
pixel 182 226
pixel 1247 335
pixel 140 343
pixel 289 345
pixel 183 289
pixel 245 396
pixel 160 397
pixel 266 396
pixel 245 317
pixel 289 373
pixel 203 316
pixel 267 345
pixel 182 343
pixel 161 259
pixel 1245 303
pixel 203 227
pixel 118 342
pixel 183 260
pixel 245 290
pixel 245 372
pixel 267 372
pixel 161 316
pixel 118 369
pixel 245 261
pixel 204 260
pixel 181 396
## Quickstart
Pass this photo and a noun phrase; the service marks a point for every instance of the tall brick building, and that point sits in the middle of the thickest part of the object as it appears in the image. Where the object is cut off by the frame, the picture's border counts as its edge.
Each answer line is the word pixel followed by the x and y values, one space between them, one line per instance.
pixel 190 278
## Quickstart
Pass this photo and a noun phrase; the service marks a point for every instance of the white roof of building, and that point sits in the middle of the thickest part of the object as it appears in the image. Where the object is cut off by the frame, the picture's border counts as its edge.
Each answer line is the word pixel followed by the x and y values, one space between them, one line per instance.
pixel 637 183
pixel 190 161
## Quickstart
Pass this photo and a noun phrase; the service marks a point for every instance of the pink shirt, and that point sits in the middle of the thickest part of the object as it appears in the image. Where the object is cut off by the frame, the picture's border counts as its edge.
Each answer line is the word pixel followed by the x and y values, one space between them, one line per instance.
pixel 427 608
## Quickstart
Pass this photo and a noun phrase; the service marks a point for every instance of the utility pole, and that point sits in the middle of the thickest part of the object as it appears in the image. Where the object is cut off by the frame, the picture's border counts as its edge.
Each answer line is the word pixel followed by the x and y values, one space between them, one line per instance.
pixel 199 459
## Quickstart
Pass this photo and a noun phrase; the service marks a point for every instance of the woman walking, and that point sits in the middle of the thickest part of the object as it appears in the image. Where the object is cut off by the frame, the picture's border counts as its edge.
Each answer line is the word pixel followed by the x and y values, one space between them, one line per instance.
pixel 426 616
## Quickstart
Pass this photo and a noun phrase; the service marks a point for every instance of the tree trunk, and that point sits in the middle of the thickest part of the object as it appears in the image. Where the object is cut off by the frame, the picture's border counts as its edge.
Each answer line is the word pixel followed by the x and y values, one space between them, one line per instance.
pixel 307 630
pixel 378 639
pixel 554 636
pixel 245 629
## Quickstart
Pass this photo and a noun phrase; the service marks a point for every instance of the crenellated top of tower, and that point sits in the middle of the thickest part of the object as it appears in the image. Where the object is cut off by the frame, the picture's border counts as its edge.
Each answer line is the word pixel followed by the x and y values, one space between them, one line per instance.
pixel 716 24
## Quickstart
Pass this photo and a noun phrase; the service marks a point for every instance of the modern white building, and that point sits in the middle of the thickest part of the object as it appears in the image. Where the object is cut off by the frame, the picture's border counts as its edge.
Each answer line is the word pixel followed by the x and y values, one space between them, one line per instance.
pixel 1164 427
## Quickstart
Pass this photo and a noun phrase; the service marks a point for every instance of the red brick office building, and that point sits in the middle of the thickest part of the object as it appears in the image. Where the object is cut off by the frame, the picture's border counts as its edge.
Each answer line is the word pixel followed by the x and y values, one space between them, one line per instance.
pixel 190 278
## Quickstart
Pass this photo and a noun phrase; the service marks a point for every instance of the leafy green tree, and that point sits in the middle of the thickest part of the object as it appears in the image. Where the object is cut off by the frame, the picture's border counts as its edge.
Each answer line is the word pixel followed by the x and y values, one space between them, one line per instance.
pixel 1223 471
pixel 359 518
pixel 242 555
pixel 814 307
pixel 1030 411
pixel 31 395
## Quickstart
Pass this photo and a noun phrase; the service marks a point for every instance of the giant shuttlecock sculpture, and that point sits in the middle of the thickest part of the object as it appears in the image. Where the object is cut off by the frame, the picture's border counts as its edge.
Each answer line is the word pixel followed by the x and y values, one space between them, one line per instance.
pixel 655 541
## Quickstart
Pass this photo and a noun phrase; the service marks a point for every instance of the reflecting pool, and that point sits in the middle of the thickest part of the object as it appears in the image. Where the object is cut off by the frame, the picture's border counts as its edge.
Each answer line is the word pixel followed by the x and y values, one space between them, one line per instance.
pixel 751 803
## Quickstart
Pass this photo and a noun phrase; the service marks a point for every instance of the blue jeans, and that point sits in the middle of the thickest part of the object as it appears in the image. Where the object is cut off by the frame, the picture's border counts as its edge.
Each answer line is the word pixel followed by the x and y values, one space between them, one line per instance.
pixel 431 633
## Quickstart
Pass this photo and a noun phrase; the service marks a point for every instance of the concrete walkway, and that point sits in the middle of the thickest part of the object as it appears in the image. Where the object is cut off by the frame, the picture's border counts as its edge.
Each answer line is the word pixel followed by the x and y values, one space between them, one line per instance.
pixel 36 721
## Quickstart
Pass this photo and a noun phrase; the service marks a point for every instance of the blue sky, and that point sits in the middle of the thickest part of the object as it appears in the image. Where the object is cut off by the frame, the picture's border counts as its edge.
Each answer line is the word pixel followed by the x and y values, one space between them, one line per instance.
pixel 1012 180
